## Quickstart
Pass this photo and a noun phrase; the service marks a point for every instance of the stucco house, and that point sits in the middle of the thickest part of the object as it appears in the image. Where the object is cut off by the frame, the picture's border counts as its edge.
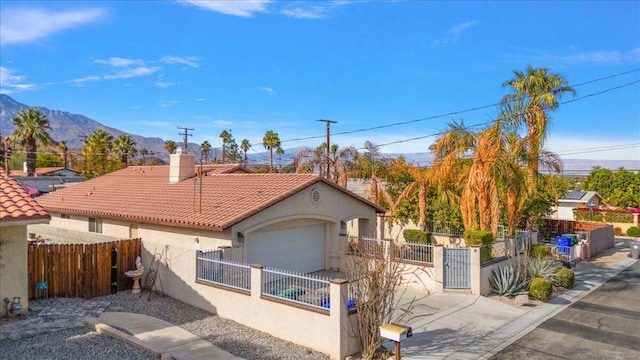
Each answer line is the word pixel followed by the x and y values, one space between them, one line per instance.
pixel 576 199
pixel 17 210
pixel 48 179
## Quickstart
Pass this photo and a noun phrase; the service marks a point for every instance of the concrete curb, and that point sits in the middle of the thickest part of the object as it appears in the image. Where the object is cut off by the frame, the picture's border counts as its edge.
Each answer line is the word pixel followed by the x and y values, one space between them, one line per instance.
pixel 101 328
pixel 550 310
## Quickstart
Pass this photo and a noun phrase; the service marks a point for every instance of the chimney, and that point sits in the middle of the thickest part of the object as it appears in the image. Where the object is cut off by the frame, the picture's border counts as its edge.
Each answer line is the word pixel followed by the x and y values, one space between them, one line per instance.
pixel 181 166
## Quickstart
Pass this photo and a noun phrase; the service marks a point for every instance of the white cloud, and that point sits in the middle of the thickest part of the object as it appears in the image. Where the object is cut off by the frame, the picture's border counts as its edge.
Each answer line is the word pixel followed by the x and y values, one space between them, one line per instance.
pixel 163 84
pixel 135 107
pixel 454 33
pixel 11 82
pixel 22 25
pixel 572 147
pixel 313 12
pixel 154 123
pixel 268 90
pixel 243 8
pixel 119 62
pixel 200 99
pixel 222 123
pixel 187 60
pixel 168 103
pixel 133 72
pixel 577 56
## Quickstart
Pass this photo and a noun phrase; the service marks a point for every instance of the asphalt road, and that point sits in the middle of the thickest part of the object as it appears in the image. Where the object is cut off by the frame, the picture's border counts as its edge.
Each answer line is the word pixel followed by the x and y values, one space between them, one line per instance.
pixel 603 325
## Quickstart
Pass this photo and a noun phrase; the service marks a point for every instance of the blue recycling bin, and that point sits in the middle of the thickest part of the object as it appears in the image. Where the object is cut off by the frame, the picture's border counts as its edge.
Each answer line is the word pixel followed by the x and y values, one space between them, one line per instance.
pixel 563 243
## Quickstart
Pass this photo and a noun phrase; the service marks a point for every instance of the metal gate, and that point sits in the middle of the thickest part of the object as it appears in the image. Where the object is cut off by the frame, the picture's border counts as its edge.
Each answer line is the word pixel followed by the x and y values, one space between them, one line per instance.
pixel 457 268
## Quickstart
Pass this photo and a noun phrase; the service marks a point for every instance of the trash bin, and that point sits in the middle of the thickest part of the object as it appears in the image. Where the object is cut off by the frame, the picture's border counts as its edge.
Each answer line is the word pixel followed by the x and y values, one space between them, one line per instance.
pixel 635 250
pixel 573 237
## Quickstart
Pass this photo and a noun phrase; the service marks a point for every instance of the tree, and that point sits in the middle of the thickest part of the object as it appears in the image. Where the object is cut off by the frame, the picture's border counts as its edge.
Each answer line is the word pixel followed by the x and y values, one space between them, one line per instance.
pixel 64 153
pixel 96 151
pixel 144 152
pixel 271 141
pixel 205 147
pixel 30 128
pixel 170 146
pixel 279 152
pixel 536 91
pixel 226 139
pixel 245 145
pixel 124 147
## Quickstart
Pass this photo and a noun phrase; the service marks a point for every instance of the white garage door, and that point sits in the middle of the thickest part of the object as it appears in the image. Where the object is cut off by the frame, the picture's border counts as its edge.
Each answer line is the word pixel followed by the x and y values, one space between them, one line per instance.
pixel 298 249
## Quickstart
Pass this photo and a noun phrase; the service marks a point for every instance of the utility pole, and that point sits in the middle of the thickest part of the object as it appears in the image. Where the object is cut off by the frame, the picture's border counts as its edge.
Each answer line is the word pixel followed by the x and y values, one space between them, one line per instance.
pixel 6 154
pixel 328 122
pixel 185 134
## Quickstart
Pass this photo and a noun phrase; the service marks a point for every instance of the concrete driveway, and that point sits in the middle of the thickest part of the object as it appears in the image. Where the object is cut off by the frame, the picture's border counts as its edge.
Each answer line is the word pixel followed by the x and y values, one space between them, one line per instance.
pixel 605 324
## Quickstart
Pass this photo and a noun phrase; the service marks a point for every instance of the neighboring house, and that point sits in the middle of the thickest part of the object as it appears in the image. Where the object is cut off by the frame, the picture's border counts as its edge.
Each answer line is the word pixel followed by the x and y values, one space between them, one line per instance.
pixel 576 199
pixel 48 179
pixel 289 221
pixel 17 210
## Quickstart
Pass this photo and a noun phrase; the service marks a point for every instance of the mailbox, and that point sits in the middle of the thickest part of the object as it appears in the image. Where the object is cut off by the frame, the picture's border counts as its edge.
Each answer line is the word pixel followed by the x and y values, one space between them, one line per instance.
pixel 395 332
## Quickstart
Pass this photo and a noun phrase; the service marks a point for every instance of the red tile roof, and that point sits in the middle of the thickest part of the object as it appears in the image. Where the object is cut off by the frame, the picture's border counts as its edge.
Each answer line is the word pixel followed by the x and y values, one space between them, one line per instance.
pixel 16 204
pixel 39 171
pixel 143 193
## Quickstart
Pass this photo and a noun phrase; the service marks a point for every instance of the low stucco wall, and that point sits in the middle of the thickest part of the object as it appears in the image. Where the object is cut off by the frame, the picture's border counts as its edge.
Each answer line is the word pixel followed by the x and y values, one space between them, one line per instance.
pixel 13 266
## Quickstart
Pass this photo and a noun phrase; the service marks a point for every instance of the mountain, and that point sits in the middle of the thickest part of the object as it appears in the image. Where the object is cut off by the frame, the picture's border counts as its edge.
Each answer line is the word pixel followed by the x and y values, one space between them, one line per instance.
pixel 73 127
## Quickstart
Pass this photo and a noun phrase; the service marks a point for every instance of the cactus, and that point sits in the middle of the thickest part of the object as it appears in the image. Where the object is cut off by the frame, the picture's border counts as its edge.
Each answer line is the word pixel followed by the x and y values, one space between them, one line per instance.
pixel 542 268
pixel 507 281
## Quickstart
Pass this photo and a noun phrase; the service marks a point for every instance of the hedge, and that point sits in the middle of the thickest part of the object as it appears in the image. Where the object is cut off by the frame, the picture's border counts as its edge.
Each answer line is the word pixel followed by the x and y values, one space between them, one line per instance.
pixel 540 289
pixel 480 237
pixel 417 236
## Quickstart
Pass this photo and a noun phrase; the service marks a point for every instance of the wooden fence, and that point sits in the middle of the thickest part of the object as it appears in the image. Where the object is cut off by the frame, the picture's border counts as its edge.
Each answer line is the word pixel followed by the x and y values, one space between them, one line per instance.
pixel 81 270
pixel 599 235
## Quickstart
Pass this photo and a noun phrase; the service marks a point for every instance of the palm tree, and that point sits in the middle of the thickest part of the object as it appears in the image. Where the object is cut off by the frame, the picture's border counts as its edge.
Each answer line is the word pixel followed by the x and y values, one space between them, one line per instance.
pixel 205 147
pixel 279 152
pixel 64 152
pixel 124 147
pixel 536 91
pixel 170 146
pixel 30 127
pixel 245 145
pixel 226 139
pixel 423 182
pixel 144 152
pixel 271 141
pixel 96 150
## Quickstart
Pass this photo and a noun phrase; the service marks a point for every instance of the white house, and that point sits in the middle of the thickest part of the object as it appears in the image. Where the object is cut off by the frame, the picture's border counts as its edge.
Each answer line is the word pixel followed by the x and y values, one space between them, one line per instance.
pixel 576 199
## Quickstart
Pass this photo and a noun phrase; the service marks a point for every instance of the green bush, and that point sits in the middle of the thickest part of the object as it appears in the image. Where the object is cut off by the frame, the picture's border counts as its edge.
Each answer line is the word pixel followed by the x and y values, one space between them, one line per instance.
pixel 617 231
pixel 633 231
pixel 565 278
pixel 540 289
pixel 541 268
pixel 482 238
pixel 417 236
pixel 540 251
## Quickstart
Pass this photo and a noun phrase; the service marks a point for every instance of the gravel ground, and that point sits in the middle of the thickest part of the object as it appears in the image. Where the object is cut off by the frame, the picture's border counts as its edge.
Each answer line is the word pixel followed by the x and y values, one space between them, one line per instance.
pixel 82 343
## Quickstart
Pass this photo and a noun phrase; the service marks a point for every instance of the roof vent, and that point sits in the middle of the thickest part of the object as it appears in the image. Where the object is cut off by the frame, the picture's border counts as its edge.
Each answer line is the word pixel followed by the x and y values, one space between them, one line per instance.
pixel 315 196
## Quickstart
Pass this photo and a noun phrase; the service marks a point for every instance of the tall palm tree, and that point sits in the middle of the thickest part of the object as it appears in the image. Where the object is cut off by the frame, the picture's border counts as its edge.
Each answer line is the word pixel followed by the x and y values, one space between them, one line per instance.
pixel 537 91
pixel 64 152
pixel 124 146
pixel 279 152
pixel 170 146
pixel 144 152
pixel 96 151
pixel 226 139
pixel 423 182
pixel 245 145
pixel 271 141
pixel 205 147
pixel 30 127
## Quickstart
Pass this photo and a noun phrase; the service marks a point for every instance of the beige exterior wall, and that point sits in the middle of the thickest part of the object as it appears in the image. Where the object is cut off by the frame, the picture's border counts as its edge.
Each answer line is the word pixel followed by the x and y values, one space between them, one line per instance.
pixel 13 266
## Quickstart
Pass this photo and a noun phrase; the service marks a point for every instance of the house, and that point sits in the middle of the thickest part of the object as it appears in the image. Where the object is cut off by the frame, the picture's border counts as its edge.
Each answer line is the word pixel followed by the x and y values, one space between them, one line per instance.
pixel 295 222
pixel 576 199
pixel 17 210
pixel 48 179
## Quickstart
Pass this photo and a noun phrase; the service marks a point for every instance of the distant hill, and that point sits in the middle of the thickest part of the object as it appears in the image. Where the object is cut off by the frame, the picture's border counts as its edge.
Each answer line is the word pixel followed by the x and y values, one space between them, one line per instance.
pixel 72 128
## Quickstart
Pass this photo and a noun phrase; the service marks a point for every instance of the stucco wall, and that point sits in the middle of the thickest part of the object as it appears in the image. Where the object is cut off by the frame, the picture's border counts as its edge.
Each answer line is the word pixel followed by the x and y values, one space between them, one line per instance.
pixel 13 273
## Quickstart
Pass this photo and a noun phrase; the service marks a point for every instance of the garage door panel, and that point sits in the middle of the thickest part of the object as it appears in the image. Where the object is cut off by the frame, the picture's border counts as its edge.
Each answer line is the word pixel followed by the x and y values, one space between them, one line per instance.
pixel 297 249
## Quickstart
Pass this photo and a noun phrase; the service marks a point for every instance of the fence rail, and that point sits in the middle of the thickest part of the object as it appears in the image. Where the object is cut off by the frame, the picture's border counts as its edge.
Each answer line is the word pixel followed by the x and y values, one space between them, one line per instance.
pixel 296 287
pixel 443 228
pixel 212 268
pixel 419 253
pixel 81 270
pixel 365 246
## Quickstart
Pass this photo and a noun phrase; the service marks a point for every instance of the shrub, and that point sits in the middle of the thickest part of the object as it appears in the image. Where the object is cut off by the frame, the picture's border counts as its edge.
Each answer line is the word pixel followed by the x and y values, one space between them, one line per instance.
pixel 540 289
pixel 617 231
pixel 417 236
pixel 565 278
pixel 540 251
pixel 508 282
pixel 633 231
pixel 482 238
pixel 541 268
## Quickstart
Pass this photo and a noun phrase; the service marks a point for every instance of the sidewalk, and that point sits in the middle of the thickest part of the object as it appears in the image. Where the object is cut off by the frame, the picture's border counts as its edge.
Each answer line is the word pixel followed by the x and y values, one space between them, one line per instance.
pixel 167 341
pixel 477 327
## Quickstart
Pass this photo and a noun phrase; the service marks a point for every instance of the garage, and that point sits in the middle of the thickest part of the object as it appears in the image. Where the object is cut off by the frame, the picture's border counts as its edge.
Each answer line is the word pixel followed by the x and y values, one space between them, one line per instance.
pixel 298 249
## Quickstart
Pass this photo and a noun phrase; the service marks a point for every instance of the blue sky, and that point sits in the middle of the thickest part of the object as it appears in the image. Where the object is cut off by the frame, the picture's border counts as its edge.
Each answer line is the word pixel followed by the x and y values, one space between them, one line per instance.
pixel 149 67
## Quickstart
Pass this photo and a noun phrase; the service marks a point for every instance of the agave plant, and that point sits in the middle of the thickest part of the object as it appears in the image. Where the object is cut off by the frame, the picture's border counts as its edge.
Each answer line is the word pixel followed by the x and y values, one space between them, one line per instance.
pixel 507 281
pixel 542 268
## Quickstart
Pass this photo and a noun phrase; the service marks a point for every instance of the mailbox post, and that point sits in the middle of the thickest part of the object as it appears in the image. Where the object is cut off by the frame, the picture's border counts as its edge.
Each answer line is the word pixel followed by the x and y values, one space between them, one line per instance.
pixel 395 333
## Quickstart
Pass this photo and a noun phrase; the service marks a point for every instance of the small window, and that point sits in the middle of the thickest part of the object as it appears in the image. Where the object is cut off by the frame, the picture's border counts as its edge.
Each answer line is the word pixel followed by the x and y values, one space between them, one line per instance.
pixel 65 216
pixel 95 225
